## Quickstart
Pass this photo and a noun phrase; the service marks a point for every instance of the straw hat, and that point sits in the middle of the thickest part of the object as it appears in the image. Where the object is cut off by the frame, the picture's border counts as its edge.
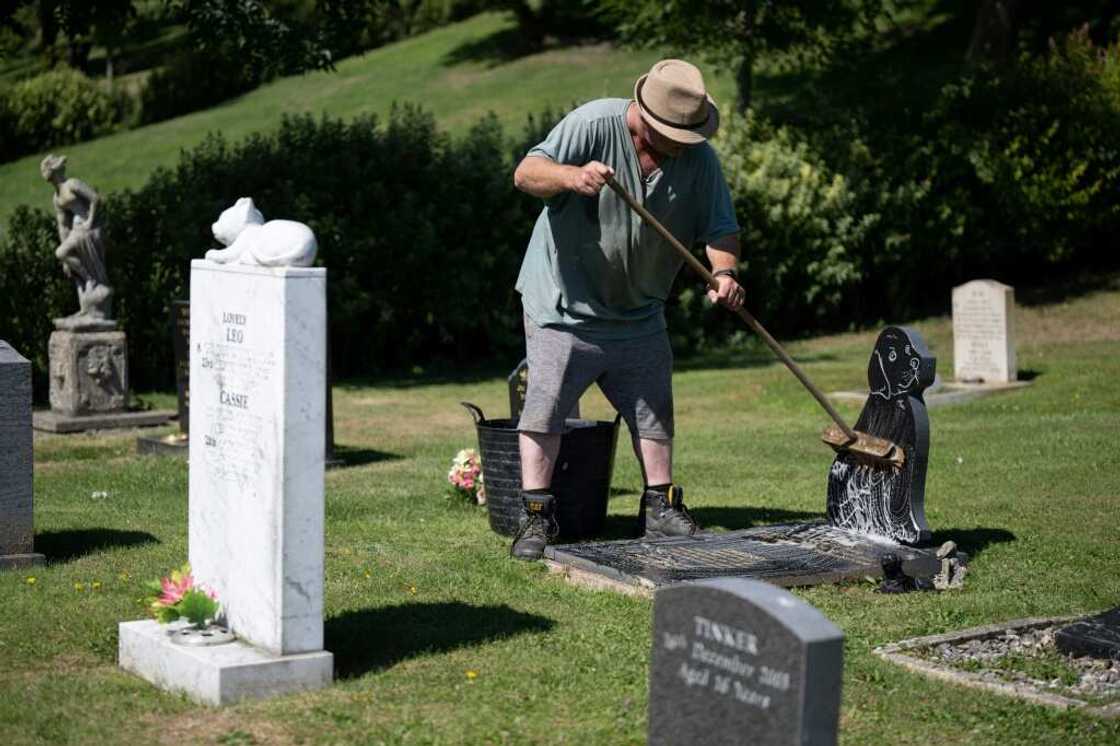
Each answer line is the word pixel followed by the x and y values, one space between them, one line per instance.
pixel 672 100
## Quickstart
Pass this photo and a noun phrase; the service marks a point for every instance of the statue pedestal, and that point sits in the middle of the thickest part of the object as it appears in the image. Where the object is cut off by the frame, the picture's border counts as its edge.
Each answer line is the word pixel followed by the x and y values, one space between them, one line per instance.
pixel 89 372
pixel 89 380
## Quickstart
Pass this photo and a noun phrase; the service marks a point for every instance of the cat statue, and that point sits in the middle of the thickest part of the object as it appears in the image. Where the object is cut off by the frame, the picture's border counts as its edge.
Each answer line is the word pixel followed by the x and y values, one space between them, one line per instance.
pixel 250 240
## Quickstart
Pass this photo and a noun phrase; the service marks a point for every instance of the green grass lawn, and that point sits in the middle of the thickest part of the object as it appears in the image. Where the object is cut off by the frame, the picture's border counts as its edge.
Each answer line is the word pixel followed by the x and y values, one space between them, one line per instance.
pixel 420 593
pixel 453 71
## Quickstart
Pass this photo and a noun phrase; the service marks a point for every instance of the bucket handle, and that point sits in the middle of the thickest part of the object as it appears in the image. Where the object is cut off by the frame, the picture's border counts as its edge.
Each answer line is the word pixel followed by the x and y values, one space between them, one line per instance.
pixel 476 413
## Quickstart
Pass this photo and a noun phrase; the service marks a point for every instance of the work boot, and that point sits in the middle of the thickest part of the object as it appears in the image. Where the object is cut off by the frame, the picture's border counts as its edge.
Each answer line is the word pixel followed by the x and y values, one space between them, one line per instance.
pixel 663 513
pixel 536 526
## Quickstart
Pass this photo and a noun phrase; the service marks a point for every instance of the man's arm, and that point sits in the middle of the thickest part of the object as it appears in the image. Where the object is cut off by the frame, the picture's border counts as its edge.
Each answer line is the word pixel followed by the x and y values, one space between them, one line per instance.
pixel 543 177
pixel 723 254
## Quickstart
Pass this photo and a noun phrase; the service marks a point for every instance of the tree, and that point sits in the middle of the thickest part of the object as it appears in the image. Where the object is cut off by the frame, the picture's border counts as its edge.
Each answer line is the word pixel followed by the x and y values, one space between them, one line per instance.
pixel 254 35
pixel 736 32
pixel 1003 28
pixel 538 19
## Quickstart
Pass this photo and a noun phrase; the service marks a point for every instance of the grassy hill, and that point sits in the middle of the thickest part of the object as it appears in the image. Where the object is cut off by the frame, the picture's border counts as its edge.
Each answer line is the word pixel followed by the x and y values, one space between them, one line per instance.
pixel 458 72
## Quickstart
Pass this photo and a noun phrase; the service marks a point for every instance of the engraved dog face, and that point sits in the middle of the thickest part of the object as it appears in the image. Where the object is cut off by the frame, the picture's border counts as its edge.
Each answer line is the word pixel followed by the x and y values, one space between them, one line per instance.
pixel 897 366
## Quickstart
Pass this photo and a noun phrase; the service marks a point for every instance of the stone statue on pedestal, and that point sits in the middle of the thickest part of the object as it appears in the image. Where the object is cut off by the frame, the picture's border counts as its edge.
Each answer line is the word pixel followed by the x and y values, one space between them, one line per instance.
pixel 88 353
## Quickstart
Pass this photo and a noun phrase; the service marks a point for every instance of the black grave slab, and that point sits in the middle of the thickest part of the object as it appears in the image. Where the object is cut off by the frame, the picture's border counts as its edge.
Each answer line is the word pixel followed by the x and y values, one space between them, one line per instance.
pixel 1097 636
pixel 737 661
pixel 784 554
pixel 881 500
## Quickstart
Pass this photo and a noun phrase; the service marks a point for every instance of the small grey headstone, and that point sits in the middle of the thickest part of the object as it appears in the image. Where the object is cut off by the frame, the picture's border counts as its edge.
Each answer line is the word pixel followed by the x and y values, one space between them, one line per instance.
pixel 17 531
pixel 739 661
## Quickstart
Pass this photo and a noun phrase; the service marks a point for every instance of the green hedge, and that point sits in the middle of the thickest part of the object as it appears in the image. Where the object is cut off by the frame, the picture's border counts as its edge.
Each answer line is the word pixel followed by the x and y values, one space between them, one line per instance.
pixel 1011 173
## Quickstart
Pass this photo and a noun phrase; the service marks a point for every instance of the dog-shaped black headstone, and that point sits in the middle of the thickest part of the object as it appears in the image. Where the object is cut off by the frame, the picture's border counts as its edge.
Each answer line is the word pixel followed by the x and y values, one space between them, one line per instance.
pixel 881 500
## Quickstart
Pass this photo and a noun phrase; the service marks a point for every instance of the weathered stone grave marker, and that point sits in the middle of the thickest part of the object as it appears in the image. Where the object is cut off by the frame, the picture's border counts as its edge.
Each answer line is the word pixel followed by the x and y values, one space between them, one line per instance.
pixel 739 661
pixel 984 332
pixel 257 382
pixel 17 530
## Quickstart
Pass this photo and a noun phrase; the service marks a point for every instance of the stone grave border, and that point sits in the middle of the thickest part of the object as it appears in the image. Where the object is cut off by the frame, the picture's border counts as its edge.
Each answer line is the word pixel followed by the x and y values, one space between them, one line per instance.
pixel 897 653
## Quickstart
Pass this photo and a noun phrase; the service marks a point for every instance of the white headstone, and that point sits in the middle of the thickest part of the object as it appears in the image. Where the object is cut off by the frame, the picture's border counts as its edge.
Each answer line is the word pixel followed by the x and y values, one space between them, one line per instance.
pixel 258 399
pixel 258 363
pixel 984 332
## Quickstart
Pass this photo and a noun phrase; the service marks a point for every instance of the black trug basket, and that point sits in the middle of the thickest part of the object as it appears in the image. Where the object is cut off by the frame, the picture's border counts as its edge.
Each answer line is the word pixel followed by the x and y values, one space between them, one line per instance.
pixel 581 481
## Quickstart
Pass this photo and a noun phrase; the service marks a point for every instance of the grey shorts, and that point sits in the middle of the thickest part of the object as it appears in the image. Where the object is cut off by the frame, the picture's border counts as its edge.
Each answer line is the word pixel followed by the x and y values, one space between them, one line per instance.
pixel 634 374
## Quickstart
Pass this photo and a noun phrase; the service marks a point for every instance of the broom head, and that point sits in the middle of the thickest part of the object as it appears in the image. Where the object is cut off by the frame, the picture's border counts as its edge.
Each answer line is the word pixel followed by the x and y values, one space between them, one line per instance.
pixel 868 448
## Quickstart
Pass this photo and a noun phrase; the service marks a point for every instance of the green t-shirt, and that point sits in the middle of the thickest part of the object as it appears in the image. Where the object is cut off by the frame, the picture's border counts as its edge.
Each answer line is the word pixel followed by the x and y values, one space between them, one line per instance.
pixel 592 264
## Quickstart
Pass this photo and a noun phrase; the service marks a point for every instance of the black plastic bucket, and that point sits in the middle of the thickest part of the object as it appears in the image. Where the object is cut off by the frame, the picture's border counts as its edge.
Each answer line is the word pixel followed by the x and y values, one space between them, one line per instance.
pixel 581 481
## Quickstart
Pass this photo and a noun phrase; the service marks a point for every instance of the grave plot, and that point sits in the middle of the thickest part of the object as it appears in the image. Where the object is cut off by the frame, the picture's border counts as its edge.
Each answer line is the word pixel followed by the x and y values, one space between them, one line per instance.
pixel 873 513
pixel 1068 662
pixel 783 554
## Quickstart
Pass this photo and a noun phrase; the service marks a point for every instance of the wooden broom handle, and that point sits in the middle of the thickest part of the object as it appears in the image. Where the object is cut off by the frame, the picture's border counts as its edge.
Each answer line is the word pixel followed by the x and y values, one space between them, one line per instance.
pixel 752 322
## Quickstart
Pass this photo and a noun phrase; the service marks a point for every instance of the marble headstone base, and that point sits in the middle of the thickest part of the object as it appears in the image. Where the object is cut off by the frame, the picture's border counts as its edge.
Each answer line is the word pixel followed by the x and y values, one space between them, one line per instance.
pixel 220 674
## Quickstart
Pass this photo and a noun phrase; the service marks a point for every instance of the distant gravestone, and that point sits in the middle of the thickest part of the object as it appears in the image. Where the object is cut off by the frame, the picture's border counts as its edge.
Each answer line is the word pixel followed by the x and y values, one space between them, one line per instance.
pixel 518 382
pixel 181 344
pixel 17 531
pixel 984 332
pixel 739 661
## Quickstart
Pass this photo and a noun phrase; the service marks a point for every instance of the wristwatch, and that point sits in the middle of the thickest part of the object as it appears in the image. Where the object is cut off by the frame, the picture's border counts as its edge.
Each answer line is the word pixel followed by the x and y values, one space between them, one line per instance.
pixel 732 273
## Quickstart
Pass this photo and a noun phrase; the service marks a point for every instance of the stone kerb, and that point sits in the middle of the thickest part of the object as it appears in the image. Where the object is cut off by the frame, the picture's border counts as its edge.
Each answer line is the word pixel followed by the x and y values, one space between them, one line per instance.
pixel 739 661
pixel 984 332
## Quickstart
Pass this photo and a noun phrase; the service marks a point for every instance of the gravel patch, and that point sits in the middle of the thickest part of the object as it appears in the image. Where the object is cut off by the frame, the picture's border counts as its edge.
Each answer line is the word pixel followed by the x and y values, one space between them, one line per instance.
pixel 995 659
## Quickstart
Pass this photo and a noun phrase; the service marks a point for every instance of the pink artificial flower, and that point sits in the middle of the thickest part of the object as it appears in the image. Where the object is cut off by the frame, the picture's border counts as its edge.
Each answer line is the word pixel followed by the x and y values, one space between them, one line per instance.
pixel 174 587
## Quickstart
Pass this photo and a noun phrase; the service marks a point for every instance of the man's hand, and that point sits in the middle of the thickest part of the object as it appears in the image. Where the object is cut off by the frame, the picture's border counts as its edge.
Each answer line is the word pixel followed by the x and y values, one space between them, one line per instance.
pixel 544 178
pixel 589 178
pixel 731 294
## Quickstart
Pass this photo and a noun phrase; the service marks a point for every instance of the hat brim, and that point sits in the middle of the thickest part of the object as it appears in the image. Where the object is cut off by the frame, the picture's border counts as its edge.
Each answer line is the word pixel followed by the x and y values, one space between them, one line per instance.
pixel 682 135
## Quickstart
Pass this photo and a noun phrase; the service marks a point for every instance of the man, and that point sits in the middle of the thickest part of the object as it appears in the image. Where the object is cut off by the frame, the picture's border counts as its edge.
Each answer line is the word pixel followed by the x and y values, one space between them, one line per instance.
pixel 595 278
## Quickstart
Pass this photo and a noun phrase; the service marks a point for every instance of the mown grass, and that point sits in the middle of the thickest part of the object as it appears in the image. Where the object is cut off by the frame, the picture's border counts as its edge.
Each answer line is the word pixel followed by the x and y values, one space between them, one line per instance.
pixel 458 72
pixel 419 591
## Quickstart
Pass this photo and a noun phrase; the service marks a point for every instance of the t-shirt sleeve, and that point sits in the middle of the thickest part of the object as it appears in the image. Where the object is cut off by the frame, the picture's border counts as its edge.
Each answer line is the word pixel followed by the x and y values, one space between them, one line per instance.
pixel 717 212
pixel 569 142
